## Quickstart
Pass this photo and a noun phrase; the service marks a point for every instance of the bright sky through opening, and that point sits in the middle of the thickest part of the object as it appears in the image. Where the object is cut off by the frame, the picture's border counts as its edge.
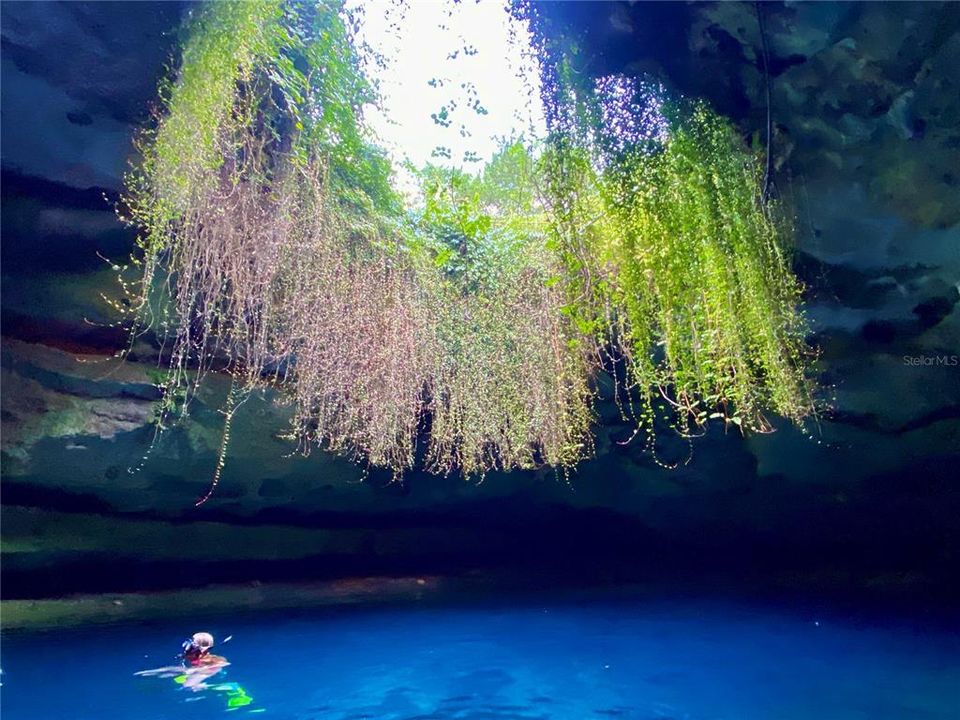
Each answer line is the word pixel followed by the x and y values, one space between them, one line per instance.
pixel 457 78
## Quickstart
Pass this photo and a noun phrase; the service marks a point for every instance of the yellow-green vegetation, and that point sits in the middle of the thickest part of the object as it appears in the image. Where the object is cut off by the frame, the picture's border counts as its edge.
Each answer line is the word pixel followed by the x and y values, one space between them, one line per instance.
pixel 679 272
pixel 509 381
pixel 475 322
pixel 288 260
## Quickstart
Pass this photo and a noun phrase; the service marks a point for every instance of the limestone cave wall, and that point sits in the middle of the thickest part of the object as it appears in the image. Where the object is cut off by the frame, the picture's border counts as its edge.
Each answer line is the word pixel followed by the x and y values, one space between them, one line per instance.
pixel 866 112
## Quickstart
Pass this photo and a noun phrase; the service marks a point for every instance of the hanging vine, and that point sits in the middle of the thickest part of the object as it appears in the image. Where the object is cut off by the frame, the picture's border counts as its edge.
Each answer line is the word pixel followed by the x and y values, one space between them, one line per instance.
pixel 274 248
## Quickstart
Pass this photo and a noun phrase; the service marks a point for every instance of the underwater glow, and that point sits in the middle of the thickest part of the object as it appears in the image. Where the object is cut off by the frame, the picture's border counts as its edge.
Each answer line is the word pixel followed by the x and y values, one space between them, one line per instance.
pixel 454 79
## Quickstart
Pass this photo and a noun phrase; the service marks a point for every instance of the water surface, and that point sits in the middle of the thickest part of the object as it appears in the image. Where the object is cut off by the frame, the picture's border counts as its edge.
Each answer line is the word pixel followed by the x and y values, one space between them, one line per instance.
pixel 632 660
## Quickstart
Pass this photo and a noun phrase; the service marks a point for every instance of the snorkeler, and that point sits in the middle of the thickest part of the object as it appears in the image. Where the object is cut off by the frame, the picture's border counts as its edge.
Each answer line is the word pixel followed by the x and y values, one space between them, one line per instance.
pixel 196 651
pixel 201 663
pixel 197 666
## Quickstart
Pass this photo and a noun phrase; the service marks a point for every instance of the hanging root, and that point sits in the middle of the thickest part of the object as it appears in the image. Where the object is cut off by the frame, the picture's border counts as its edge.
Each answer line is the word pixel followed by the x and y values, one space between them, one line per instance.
pixel 224 443
pixel 765 55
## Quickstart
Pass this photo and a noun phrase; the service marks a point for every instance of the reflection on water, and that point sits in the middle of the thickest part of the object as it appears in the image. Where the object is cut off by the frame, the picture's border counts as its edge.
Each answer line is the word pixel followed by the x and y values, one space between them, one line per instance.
pixel 695 661
pixel 200 681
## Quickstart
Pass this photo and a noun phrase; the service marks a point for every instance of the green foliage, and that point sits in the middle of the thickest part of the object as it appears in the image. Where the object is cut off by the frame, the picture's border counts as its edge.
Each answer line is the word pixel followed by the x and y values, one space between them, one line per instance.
pixel 478 319
pixel 675 263
pixel 282 71
pixel 483 230
pixel 183 155
pixel 510 386
pixel 259 161
pixel 288 262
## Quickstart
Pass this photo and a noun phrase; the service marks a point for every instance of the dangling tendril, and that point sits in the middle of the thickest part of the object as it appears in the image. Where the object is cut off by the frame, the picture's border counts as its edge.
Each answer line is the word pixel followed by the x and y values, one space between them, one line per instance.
pixel 228 411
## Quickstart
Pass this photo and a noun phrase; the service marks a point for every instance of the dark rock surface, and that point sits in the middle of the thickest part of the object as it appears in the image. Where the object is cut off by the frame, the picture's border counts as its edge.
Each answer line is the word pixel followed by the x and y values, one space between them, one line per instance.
pixel 866 108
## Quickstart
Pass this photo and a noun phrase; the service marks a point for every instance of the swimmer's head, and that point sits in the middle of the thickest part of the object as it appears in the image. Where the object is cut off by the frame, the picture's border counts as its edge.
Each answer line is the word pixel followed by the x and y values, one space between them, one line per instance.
pixel 197 645
pixel 203 641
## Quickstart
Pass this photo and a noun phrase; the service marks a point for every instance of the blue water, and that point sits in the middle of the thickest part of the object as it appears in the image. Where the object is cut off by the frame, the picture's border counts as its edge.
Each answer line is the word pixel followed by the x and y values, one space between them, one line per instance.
pixel 644 660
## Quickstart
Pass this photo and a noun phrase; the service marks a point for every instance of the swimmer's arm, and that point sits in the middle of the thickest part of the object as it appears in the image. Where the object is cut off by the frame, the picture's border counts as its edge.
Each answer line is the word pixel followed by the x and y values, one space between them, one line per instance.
pixel 176 669
pixel 211 660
